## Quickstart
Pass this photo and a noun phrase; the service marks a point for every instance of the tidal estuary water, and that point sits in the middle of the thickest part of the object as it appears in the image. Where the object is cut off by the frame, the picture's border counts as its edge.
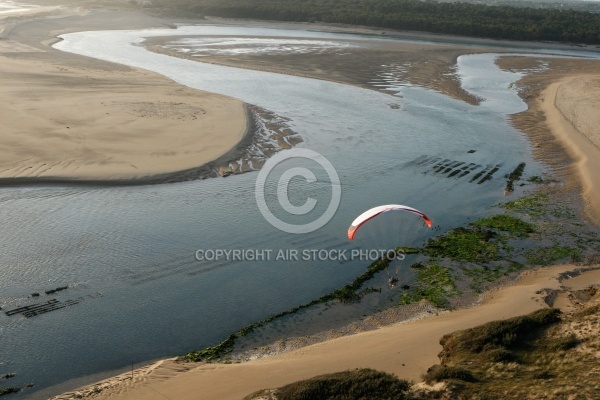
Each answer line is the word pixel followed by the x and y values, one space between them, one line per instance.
pixel 135 291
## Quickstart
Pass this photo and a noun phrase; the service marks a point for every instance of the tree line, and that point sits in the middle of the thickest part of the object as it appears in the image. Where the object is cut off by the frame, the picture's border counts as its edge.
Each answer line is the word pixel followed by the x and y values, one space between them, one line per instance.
pixel 465 19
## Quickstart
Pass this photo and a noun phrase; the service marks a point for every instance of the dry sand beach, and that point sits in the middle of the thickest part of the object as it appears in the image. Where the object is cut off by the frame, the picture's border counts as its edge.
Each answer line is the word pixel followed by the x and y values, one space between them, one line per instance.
pixel 92 121
pixel 104 125
pixel 76 119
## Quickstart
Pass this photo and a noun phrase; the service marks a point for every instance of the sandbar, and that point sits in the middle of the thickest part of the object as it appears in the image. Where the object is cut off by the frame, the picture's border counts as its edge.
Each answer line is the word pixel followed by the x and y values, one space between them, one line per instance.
pixel 571 107
pixel 68 118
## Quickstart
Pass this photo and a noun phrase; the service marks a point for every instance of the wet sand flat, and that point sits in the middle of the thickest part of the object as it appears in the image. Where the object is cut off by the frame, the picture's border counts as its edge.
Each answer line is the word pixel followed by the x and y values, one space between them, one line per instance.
pixel 72 118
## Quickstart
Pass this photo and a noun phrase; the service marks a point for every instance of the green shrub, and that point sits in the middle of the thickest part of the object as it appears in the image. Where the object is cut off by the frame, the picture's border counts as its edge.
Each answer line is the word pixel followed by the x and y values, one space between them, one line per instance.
pixel 501 355
pixel 360 384
pixel 498 334
pixel 542 375
pixel 563 343
pixel 439 373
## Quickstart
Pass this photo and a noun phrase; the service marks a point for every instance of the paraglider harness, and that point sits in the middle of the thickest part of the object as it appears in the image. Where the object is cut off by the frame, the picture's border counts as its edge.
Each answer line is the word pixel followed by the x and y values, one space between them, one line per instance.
pixel 393 280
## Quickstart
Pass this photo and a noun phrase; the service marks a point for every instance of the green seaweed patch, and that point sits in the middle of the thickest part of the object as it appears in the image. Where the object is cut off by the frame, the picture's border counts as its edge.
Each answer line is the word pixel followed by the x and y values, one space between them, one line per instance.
pixel 347 294
pixel 587 243
pixel 213 353
pixel 408 250
pixel 462 244
pixel 533 205
pixel 434 283
pixel 547 255
pixel 535 179
pixel 562 211
pixel 481 275
pixel 506 223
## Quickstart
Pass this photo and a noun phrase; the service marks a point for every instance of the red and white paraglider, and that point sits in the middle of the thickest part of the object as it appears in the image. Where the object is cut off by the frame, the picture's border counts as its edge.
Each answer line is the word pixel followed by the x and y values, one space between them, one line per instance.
pixel 375 211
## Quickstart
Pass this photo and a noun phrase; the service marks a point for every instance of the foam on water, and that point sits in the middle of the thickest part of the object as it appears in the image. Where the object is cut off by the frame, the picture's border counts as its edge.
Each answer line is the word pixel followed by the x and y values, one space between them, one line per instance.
pixel 10 7
pixel 206 46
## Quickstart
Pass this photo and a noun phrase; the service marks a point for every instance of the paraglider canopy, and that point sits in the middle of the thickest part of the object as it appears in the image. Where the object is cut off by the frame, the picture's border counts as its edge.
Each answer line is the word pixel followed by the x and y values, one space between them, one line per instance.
pixel 375 211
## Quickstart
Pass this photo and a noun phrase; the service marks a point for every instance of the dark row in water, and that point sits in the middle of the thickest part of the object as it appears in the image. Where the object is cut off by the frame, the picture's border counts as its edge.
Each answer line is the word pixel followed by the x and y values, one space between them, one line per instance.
pixel 456 169
pixel 33 310
pixel 51 291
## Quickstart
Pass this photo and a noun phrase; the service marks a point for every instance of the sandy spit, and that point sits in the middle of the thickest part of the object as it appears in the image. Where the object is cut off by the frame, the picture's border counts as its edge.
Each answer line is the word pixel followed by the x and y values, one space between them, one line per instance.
pixel 60 122
pixel 571 108
pixel 71 118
